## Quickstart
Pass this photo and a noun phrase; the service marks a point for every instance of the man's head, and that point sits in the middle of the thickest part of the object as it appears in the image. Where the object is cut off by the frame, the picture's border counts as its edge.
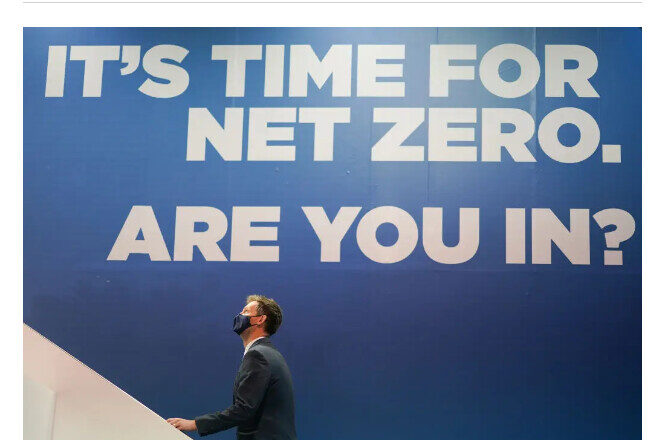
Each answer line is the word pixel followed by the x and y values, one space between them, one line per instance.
pixel 264 314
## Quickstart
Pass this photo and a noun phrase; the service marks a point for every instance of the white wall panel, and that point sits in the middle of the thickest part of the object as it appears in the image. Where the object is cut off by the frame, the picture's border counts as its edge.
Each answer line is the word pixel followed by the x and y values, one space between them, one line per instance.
pixel 87 406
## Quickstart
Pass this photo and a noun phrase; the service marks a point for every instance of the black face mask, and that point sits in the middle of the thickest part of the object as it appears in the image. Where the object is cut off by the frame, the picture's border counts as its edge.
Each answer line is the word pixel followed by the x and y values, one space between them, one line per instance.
pixel 242 322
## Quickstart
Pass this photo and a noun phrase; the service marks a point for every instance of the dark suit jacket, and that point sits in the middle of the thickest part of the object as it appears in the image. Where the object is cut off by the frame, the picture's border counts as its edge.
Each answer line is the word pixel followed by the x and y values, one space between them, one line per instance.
pixel 263 406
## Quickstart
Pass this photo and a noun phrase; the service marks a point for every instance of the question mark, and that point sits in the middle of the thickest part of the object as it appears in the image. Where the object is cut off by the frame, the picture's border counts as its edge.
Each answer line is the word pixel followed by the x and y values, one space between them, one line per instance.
pixel 625 228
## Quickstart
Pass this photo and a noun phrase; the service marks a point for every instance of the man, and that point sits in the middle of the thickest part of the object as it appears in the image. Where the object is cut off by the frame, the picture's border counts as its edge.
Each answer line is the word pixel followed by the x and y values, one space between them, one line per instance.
pixel 263 406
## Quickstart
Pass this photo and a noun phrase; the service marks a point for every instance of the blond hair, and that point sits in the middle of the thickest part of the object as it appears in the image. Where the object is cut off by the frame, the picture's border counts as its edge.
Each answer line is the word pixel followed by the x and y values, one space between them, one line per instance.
pixel 269 308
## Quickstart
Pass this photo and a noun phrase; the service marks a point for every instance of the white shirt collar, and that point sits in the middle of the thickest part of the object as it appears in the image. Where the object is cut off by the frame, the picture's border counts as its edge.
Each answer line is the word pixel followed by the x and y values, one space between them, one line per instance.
pixel 251 343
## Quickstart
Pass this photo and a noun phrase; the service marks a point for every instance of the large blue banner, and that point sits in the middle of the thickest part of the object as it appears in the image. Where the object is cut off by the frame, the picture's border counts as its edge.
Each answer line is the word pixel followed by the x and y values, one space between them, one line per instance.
pixel 449 218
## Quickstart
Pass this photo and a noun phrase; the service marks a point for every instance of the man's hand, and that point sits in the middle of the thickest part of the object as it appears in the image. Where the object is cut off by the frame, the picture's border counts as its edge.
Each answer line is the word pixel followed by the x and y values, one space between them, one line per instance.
pixel 182 424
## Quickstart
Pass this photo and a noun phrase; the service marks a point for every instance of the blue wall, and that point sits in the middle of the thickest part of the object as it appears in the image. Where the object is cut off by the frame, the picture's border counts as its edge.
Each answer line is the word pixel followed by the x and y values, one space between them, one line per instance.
pixel 408 350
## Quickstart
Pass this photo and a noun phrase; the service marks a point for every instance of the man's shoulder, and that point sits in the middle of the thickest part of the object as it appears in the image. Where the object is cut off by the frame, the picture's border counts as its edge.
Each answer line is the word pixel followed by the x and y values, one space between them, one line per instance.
pixel 254 358
pixel 262 345
pixel 266 349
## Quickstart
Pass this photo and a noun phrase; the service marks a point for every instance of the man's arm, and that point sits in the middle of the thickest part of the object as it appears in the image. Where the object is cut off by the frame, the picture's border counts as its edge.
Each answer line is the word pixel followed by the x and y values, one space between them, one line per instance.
pixel 254 380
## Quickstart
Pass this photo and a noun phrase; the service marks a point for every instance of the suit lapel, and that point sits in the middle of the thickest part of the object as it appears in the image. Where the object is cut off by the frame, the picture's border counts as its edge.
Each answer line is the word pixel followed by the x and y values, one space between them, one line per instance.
pixel 262 341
